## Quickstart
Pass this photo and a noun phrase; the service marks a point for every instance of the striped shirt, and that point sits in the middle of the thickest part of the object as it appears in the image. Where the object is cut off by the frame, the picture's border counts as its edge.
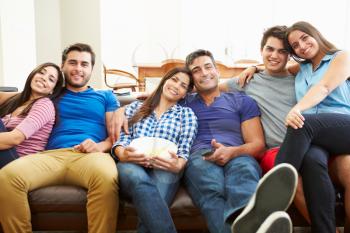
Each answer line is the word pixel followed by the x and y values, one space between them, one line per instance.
pixel 178 124
pixel 36 126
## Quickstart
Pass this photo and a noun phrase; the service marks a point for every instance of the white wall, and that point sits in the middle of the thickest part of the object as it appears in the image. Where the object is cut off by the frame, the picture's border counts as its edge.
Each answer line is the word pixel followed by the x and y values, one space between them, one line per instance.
pixel 124 33
pixel 39 30
pixel 48 31
pixel 137 31
pixel 230 29
pixel 80 22
pixel 18 53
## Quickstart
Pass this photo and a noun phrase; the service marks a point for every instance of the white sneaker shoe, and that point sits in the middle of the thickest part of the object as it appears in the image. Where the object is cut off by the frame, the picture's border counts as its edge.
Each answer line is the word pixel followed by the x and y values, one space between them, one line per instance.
pixel 277 222
pixel 275 192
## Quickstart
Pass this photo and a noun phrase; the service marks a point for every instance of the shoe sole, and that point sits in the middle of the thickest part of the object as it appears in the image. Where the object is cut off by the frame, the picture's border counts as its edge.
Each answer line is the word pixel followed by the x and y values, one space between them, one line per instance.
pixel 278 222
pixel 275 192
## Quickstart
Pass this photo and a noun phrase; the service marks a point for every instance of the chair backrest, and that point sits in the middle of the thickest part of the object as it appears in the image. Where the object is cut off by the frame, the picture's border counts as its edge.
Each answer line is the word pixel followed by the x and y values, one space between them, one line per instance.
pixel 246 61
pixel 169 64
pixel 120 79
pixel 8 89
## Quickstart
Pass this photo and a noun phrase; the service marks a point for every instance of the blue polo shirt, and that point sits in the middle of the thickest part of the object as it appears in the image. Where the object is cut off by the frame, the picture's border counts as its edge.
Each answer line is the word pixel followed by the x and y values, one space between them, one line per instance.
pixel 338 101
pixel 81 115
pixel 222 119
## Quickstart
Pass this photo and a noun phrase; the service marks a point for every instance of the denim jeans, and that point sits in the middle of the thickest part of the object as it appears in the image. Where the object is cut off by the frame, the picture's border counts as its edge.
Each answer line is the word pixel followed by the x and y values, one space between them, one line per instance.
pixel 7 155
pixel 319 190
pixel 330 131
pixel 220 191
pixel 151 191
pixel 308 150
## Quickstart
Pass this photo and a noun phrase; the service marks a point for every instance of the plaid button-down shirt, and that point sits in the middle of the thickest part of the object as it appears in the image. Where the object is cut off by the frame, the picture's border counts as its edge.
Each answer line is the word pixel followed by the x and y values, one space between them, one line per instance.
pixel 178 124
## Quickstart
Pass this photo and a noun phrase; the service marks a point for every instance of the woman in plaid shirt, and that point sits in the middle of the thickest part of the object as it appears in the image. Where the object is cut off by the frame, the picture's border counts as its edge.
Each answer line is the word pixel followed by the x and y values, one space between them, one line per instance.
pixel 151 182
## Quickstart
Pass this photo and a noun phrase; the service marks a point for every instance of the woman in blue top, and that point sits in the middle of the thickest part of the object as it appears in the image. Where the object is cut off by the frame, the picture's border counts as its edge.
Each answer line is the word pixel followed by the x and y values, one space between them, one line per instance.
pixel 319 124
pixel 151 182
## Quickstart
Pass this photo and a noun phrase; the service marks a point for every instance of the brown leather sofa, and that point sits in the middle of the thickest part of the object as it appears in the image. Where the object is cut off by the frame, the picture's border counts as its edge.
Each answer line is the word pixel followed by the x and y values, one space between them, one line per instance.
pixel 63 208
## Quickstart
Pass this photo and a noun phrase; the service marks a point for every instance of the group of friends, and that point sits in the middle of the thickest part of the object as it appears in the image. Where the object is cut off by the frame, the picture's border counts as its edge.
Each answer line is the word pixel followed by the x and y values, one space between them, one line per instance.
pixel 247 147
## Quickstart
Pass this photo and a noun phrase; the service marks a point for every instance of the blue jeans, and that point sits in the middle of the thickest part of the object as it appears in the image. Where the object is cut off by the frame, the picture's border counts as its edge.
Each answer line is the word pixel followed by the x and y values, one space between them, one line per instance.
pixel 151 191
pixel 308 150
pixel 220 191
pixel 7 155
pixel 330 131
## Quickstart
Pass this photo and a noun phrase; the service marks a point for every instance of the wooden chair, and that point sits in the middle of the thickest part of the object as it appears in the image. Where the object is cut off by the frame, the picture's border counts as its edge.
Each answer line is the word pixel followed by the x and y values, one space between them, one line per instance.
pixel 246 61
pixel 169 64
pixel 113 76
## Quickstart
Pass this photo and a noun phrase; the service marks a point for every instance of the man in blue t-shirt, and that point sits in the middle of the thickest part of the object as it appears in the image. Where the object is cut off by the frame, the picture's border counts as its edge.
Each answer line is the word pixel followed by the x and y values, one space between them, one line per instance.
pixel 75 152
pixel 222 173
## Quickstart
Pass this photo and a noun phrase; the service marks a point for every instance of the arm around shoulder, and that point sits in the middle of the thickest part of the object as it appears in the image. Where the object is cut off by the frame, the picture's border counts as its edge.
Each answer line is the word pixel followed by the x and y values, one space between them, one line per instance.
pixel 293 68
pixel 6 95
pixel 230 85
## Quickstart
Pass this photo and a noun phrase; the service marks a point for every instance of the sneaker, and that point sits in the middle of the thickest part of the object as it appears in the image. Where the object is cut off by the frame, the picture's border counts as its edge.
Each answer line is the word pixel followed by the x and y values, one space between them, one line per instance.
pixel 275 192
pixel 277 222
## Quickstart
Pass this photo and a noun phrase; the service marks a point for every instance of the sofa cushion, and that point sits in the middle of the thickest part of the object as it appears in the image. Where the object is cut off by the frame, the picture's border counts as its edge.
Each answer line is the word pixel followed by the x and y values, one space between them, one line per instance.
pixel 63 198
pixel 58 199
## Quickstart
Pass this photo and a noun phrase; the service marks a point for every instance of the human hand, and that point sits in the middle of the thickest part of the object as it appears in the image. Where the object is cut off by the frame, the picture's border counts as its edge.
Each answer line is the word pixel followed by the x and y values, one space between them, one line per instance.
pixel 246 75
pixel 222 154
pixel 294 118
pixel 173 164
pixel 116 124
pixel 88 146
pixel 131 155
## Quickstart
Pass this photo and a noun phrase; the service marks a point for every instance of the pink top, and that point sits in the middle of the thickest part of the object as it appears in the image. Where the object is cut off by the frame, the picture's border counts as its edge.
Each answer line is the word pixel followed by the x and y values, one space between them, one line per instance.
pixel 36 126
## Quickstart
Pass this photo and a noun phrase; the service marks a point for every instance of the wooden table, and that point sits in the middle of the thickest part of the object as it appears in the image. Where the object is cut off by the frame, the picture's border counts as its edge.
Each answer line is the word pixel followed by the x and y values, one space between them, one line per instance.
pixel 148 70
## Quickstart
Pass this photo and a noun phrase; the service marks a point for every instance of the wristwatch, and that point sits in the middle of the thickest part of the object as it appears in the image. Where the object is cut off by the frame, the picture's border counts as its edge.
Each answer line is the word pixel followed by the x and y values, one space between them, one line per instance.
pixel 114 156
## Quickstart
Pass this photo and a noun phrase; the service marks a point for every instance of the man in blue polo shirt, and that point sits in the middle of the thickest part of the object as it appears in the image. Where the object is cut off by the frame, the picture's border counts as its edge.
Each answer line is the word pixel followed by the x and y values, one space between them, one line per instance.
pixel 75 152
pixel 222 173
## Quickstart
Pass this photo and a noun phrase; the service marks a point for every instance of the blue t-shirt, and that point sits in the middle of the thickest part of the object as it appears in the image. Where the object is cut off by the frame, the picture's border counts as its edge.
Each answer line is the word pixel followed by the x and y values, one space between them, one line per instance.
pixel 82 115
pixel 222 119
pixel 338 101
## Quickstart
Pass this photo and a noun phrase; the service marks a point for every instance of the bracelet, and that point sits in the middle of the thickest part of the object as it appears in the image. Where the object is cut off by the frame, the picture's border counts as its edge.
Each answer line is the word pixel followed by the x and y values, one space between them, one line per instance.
pixel 256 69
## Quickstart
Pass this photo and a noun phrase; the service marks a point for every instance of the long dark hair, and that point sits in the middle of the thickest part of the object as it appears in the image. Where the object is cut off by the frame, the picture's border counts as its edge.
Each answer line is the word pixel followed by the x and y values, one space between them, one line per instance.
pixel 19 99
pixel 325 46
pixel 153 100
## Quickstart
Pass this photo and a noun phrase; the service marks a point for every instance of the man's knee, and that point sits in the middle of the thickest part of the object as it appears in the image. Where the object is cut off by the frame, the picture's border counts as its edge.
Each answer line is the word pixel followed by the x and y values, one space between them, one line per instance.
pixel 11 176
pixel 104 174
pixel 166 177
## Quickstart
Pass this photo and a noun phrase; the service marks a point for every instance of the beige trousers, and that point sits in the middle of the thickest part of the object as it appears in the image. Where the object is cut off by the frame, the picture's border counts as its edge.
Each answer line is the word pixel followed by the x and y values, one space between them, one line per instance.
pixel 96 172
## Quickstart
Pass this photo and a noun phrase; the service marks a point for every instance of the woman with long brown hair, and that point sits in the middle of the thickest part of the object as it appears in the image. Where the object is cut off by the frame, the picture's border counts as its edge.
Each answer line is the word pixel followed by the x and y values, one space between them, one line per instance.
pixel 27 118
pixel 149 179
pixel 319 124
